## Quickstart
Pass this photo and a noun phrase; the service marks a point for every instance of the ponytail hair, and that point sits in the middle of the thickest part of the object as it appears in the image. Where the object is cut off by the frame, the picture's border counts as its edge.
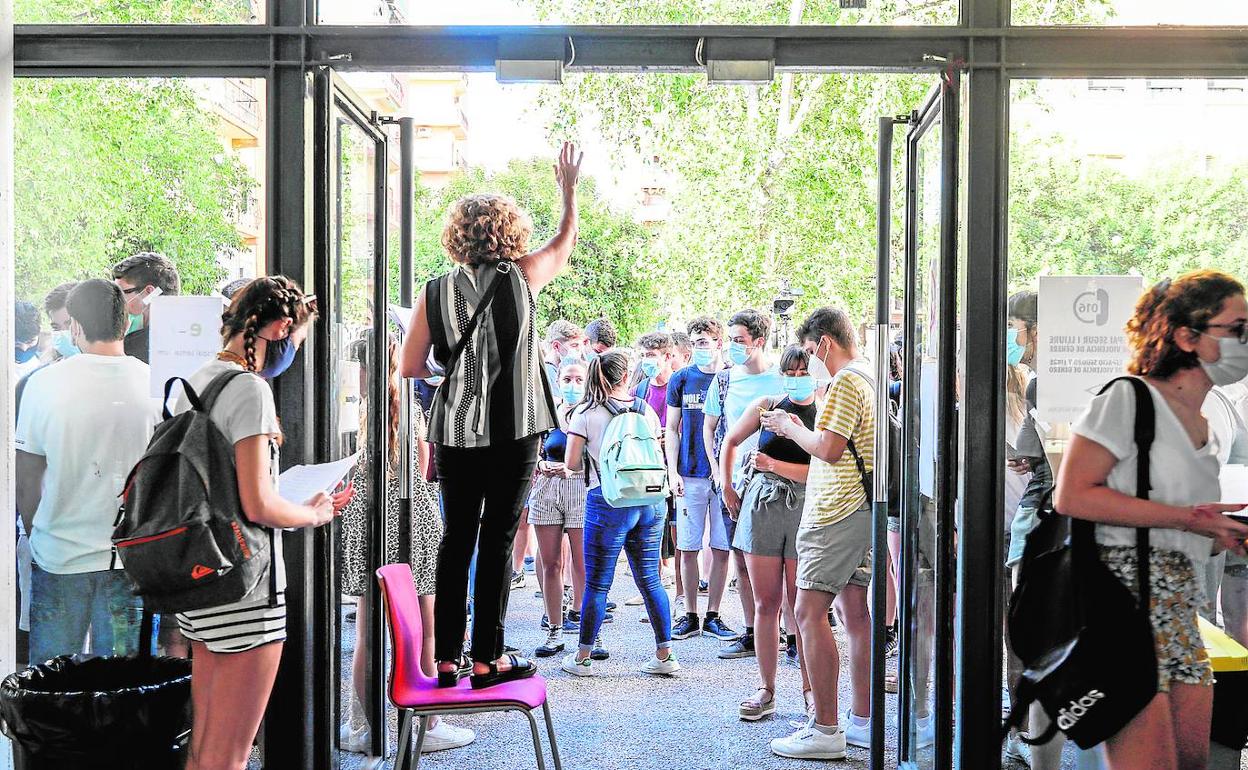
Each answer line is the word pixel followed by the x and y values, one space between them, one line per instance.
pixel 606 372
pixel 261 302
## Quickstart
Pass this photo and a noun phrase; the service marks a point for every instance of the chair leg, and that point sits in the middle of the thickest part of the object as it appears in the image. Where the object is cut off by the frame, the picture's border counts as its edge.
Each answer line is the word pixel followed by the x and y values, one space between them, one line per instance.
pixel 537 740
pixel 404 759
pixel 420 741
pixel 550 731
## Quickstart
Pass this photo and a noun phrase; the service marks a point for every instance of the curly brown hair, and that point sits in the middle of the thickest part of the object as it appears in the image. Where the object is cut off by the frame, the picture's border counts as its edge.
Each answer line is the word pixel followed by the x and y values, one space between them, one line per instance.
pixel 1187 302
pixel 486 228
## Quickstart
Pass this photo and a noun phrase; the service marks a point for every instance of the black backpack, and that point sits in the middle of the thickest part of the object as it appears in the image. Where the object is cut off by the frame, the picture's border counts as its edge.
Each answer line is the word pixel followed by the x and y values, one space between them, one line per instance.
pixel 1085 642
pixel 181 532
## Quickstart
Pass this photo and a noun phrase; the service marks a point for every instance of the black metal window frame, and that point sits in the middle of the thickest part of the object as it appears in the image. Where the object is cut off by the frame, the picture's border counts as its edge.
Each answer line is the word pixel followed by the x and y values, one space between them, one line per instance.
pixel 983 46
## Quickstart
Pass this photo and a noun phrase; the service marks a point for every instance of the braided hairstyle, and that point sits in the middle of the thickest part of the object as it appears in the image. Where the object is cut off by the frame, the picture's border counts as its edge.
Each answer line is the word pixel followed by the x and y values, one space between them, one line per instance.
pixel 259 303
pixel 606 372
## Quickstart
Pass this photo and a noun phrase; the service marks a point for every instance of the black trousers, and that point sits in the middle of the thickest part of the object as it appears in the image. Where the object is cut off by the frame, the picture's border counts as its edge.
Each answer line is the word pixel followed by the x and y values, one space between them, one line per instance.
pixel 483 494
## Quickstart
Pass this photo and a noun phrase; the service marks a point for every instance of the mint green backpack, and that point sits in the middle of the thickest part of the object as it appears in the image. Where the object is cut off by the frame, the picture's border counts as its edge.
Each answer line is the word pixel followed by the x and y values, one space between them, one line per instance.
pixel 630 465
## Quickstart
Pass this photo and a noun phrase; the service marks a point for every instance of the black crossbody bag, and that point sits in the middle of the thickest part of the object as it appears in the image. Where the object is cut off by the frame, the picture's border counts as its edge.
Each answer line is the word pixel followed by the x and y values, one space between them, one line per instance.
pixel 1085 641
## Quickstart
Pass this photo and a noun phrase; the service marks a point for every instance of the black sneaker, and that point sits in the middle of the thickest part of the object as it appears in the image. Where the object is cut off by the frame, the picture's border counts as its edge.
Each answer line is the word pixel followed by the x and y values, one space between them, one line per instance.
pixel 790 654
pixel 572 622
pixel 704 587
pixel 832 618
pixel 552 646
pixel 686 626
pixel 607 617
pixel 517 580
pixel 611 606
pixel 742 648
pixel 545 622
pixel 598 652
pixel 891 641
pixel 717 628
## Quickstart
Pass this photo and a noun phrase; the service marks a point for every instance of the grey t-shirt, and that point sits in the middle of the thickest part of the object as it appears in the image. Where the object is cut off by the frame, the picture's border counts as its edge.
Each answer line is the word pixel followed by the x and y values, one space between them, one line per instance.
pixel 591 422
pixel 244 409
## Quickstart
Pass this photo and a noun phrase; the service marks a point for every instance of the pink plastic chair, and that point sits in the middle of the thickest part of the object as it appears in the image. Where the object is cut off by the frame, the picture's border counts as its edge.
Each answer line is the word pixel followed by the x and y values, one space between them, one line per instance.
pixel 415 694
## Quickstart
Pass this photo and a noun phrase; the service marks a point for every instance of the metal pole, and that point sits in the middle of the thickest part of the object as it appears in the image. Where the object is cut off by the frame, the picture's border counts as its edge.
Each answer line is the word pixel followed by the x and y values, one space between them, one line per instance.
pixel 407 202
pixel 879 505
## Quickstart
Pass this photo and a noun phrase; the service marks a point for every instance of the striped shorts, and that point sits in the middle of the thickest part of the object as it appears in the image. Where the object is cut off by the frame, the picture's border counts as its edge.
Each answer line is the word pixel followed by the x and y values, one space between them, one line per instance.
pixel 558 501
pixel 236 627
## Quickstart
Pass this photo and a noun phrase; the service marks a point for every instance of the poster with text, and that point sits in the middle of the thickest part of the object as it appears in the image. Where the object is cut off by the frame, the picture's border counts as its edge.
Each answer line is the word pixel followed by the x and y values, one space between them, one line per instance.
pixel 186 332
pixel 1082 341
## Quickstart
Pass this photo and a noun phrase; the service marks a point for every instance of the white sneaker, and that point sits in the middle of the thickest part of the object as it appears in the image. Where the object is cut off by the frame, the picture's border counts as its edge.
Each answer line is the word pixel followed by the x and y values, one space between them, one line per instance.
pixel 354 741
pixel 578 667
pixel 634 601
pixel 856 734
pixel 925 729
pixel 446 736
pixel 809 743
pixel 662 667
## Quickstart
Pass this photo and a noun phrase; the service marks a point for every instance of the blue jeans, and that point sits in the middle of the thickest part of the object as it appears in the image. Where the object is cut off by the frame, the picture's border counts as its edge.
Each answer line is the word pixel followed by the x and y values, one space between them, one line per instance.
pixel 64 607
pixel 638 531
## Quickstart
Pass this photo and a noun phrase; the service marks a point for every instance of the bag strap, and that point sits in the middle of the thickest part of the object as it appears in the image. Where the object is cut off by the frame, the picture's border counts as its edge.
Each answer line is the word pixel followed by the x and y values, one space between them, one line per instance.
pixel 1082 531
pixel 191 396
pixel 487 299
pixel 862 469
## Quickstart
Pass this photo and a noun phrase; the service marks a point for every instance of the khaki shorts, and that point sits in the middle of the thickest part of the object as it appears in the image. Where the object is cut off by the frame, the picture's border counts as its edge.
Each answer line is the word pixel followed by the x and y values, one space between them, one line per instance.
pixel 833 556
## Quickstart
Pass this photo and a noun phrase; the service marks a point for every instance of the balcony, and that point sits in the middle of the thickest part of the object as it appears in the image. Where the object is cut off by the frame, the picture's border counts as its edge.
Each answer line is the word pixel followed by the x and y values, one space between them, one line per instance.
pixel 235 100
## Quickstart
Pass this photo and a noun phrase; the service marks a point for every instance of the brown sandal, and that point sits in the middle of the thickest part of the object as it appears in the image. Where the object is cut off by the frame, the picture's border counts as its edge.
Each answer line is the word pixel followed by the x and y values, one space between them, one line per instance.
pixel 753 709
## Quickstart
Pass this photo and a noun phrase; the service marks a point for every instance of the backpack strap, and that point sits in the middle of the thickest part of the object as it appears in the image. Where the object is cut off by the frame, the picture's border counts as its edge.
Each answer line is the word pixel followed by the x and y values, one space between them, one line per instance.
pixel 191 396
pixel 213 391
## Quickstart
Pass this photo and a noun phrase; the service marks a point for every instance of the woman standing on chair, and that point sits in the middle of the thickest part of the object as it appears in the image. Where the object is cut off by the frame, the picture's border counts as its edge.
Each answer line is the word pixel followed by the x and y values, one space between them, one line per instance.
pixel 479 322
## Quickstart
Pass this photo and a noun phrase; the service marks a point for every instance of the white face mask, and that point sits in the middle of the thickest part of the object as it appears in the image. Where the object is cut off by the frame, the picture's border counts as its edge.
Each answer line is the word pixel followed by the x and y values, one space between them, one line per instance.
pixel 1232 363
pixel 817 368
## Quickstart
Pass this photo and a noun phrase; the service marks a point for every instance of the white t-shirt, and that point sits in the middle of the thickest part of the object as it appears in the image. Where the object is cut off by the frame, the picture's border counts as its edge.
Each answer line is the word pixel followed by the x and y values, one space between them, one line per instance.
pixel 1180 473
pixel 591 422
pixel 90 417
pixel 1228 426
pixel 244 409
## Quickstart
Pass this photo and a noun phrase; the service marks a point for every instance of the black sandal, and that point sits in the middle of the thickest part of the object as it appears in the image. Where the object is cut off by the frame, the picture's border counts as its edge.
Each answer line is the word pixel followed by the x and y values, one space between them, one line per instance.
pixel 463 667
pixel 520 669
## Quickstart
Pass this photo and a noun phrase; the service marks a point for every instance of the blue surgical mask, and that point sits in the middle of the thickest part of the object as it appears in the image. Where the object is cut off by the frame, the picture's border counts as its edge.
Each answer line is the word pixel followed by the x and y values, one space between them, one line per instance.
pixel 590 354
pixel 572 394
pixel 799 388
pixel 63 341
pixel 703 357
pixel 1013 351
pixel 22 356
pixel 650 368
pixel 278 357
pixel 738 353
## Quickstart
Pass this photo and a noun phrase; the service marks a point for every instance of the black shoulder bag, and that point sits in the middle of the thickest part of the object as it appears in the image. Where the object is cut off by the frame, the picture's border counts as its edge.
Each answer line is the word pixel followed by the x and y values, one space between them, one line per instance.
pixel 487 299
pixel 1085 641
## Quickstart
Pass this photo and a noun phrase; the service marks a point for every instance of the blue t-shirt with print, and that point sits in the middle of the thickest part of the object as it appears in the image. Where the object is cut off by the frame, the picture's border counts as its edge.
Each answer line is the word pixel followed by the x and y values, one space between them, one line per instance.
pixel 687 391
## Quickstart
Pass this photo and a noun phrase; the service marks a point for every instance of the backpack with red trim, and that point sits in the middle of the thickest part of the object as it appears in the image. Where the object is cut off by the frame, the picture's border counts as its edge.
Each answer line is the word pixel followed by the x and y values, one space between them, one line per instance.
pixel 181 532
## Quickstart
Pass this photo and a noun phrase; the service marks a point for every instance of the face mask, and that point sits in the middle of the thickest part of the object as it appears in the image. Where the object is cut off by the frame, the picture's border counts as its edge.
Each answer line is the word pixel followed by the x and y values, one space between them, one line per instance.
pixel 799 388
pixel 1013 351
pixel 1232 363
pixel 817 368
pixel 650 368
pixel 22 356
pixel 590 354
pixel 434 382
pixel 136 323
pixel 703 358
pixel 738 353
pixel 63 341
pixel 571 358
pixel 572 394
pixel 278 357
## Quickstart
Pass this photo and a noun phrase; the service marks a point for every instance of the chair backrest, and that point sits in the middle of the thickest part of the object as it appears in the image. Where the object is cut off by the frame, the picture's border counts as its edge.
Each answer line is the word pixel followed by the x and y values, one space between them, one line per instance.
pixel 402 606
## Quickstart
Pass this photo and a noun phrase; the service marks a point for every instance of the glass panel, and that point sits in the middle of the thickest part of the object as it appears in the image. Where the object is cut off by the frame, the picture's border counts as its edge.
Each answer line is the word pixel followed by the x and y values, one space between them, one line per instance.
pixel 1129 12
pixel 149 12
pixel 493 12
pixel 105 169
pixel 1097 207
pixel 352 218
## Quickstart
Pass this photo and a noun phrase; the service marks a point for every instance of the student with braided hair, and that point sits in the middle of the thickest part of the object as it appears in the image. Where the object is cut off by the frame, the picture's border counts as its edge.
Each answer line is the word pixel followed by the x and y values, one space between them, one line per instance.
pixel 236 647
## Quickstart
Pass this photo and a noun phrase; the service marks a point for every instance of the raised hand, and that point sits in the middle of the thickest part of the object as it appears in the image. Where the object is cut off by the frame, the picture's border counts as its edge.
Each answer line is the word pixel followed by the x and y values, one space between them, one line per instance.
pixel 568 167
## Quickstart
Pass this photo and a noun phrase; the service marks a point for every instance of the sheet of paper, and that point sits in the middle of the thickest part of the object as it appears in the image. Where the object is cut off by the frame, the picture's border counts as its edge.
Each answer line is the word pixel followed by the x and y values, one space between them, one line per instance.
pixel 1234 480
pixel 402 316
pixel 301 482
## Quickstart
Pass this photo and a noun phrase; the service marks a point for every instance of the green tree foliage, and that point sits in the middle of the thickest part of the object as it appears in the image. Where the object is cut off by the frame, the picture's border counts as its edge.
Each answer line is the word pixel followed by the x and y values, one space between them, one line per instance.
pixel 133 11
pixel 1081 216
pixel 104 168
pixel 608 266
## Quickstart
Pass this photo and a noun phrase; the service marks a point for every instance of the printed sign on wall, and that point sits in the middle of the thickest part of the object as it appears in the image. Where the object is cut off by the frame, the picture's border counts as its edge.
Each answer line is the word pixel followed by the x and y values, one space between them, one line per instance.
pixel 1082 343
pixel 186 332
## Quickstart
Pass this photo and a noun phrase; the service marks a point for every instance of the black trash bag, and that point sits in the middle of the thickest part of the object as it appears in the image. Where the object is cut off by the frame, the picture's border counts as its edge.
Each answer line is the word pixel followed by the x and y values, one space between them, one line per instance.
pixel 92 713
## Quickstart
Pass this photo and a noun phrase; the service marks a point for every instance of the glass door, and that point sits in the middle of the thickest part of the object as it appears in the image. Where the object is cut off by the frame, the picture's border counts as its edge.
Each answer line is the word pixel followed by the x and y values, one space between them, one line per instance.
pixel 357 366
pixel 921 543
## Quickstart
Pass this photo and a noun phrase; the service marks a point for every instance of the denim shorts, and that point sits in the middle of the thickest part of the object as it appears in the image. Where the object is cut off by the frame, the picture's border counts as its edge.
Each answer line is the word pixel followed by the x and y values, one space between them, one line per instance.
pixel 63 607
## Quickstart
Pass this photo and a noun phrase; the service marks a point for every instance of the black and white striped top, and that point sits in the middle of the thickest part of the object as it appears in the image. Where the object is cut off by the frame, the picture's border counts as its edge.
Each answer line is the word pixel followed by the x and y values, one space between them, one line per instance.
pixel 498 391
